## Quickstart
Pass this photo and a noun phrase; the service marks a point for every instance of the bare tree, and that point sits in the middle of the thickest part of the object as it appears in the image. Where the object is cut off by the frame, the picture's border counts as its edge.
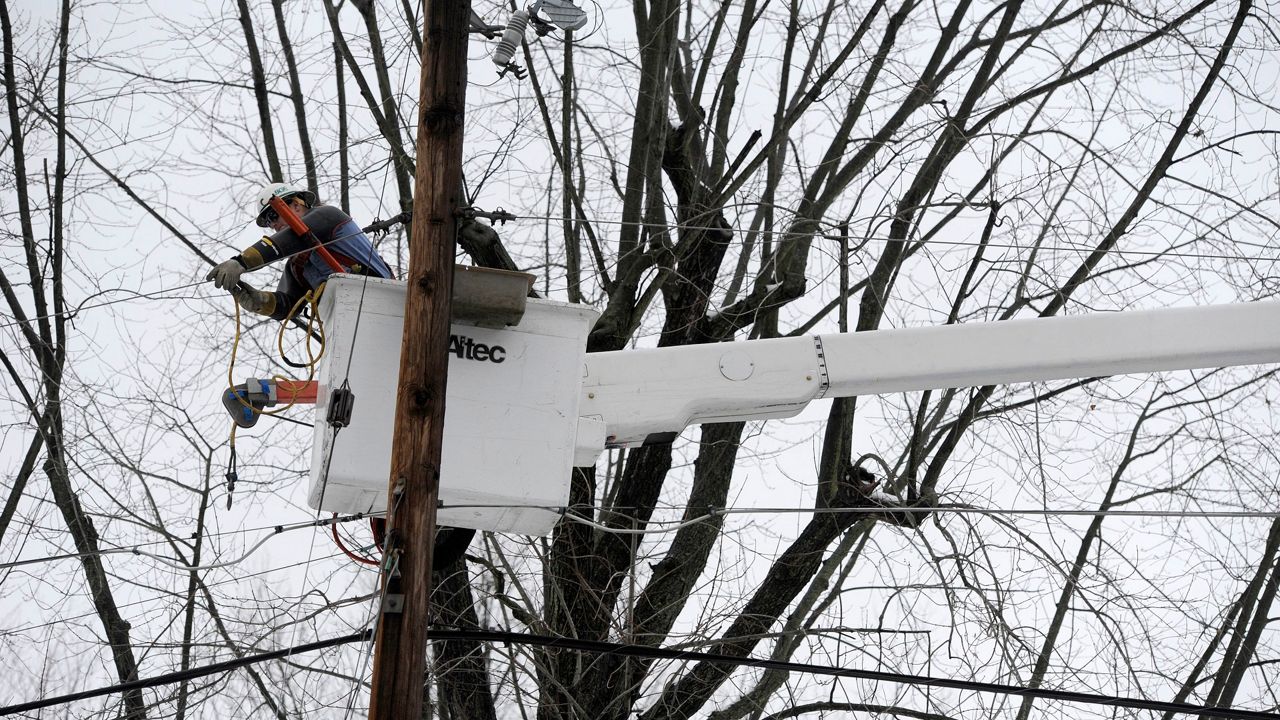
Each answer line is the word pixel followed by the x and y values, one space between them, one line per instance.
pixel 43 332
pixel 712 172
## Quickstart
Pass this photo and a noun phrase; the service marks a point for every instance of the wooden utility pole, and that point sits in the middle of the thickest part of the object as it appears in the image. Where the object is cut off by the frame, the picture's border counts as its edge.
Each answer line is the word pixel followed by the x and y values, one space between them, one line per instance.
pixel 399 661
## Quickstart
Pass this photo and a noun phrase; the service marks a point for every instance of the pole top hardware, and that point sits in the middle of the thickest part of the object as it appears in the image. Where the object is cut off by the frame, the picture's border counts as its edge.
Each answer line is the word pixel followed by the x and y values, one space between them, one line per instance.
pixel 499 216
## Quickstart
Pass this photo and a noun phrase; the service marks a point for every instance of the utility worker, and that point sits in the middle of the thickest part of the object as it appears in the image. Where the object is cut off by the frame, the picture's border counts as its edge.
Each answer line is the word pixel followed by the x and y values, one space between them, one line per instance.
pixel 304 270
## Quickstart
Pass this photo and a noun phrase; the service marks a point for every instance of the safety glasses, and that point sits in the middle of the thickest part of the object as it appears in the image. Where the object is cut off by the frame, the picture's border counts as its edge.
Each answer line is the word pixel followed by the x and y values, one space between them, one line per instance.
pixel 267 217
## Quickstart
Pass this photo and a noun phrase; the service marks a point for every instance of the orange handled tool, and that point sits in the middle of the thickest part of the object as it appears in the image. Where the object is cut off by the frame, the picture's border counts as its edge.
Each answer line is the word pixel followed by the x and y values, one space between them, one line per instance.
pixel 295 223
pixel 298 392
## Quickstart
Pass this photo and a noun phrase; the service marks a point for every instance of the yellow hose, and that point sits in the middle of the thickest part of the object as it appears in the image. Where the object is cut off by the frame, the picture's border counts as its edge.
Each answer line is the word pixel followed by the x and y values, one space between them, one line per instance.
pixel 313 323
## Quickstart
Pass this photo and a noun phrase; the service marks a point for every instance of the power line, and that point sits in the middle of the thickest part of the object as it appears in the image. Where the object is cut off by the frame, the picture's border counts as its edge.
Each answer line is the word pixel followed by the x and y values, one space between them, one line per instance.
pixel 669 526
pixel 241 531
pixel 137 549
pixel 826 235
pixel 153 295
pixel 640 651
pixel 193 673
pixel 1119 252
pixel 376 227
pixel 571 513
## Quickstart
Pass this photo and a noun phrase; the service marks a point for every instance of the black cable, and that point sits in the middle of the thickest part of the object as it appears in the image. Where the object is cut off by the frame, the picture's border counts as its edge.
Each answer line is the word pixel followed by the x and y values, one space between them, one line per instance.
pixel 174 677
pixel 922 680
pixel 303 423
pixel 641 651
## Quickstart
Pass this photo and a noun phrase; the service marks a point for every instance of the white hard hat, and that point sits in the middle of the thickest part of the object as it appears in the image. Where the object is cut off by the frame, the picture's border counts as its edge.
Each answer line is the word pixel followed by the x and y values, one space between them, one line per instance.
pixel 284 191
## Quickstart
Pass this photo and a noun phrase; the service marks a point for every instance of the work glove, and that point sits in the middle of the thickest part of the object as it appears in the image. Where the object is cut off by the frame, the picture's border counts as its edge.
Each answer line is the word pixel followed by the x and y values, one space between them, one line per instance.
pixel 226 274
pixel 255 301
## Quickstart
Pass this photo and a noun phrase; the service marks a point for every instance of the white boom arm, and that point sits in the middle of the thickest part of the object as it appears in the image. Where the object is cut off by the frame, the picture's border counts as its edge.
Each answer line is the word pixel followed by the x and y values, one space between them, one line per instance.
pixel 641 395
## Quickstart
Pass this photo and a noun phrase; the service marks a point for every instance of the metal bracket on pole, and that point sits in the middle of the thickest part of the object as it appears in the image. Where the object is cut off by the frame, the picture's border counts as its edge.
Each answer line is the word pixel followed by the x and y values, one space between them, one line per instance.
pixel 499 216
pixel 392 603
pixel 392 597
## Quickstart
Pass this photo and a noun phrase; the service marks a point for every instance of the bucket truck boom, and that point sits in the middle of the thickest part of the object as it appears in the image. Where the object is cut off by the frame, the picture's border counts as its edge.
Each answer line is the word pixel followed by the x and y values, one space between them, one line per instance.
pixel 651 395
pixel 525 403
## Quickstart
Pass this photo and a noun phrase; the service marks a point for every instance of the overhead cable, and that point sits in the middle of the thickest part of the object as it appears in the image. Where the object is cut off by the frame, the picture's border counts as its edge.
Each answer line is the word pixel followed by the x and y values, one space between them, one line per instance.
pixel 660 526
pixel 641 651
pixel 827 235
pixel 169 678
pixel 153 295
pixel 377 226
pixel 137 549
pixel 1120 252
